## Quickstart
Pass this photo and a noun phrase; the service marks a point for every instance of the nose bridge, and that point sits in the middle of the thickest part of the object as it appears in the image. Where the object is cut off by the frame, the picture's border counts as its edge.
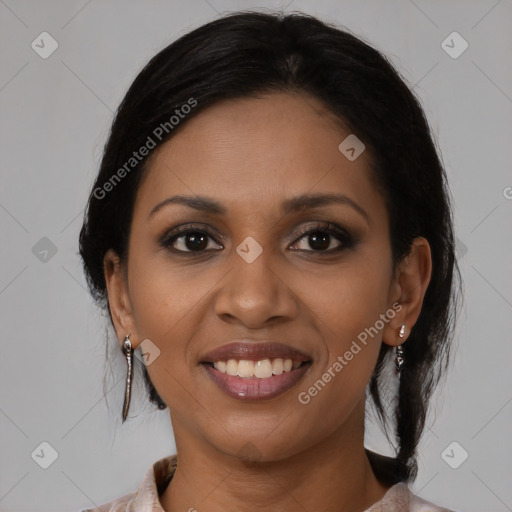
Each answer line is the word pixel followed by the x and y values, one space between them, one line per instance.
pixel 253 291
pixel 254 265
pixel 253 270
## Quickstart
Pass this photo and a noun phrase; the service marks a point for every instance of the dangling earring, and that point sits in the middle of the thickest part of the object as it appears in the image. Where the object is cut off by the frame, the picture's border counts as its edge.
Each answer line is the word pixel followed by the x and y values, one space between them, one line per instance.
pixel 399 359
pixel 128 352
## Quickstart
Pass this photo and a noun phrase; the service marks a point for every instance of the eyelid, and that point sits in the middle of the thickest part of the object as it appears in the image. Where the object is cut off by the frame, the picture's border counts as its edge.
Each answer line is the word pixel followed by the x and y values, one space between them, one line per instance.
pixel 322 226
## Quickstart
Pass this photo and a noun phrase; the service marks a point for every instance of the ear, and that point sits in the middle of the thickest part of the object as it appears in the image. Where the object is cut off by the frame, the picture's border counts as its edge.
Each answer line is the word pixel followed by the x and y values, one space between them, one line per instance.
pixel 409 286
pixel 118 298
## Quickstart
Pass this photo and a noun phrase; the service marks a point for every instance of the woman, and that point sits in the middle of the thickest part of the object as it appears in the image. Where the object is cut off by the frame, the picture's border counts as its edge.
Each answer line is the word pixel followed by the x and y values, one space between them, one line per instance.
pixel 271 225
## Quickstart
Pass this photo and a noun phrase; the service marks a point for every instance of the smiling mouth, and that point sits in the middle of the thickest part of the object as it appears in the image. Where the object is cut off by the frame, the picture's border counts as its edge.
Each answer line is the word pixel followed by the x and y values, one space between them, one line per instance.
pixel 261 369
pixel 255 380
pixel 255 370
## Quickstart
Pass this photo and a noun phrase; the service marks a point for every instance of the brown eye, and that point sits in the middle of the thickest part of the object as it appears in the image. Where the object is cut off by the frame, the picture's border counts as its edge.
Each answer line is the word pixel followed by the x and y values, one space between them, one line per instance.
pixel 323 239
pixel 186 239
pixel 319 240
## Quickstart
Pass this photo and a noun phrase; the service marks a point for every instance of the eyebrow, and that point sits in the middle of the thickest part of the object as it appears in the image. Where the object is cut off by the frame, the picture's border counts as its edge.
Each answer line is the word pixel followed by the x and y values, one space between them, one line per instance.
pixel 295 204
pixel 309 201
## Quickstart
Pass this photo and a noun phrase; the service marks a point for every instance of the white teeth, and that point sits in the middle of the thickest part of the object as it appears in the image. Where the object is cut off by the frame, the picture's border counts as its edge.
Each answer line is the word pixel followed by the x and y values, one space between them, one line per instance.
pixel 262 369
pixel 221 366
pixel 245 368
pixel 277 366
pixel 231 367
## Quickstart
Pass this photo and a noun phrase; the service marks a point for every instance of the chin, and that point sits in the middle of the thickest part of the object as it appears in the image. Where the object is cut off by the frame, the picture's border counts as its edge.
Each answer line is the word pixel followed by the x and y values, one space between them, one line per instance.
pixel 255 449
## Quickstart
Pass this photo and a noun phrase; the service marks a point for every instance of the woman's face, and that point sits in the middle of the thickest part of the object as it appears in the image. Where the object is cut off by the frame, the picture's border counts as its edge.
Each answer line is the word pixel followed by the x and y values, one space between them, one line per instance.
pixel 247 272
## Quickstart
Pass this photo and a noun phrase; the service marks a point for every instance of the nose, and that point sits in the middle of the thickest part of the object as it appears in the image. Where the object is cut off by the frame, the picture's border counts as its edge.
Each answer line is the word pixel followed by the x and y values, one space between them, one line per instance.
pixel 256 294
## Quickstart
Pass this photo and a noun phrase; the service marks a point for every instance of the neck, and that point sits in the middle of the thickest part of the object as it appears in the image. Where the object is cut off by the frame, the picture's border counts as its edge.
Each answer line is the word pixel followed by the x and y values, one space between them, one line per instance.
pixel 332 475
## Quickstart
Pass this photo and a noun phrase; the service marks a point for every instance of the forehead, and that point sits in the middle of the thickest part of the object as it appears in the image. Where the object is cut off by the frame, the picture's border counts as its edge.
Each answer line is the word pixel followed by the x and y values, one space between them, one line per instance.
pixel 250 150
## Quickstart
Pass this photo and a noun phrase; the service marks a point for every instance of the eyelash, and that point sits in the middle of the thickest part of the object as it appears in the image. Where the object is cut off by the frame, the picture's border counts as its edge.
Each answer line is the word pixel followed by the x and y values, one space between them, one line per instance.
pixel 327 228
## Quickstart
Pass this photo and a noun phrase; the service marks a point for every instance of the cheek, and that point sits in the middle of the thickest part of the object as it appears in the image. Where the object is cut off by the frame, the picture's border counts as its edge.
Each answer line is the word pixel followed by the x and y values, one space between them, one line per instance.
pixel 352 314
pixel 351 299
pixel 169 304
pixel 163 294
pixel 165 304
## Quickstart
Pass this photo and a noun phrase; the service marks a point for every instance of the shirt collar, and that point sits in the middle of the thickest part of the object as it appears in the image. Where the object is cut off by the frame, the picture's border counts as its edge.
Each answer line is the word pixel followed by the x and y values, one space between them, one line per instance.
pixel 156 480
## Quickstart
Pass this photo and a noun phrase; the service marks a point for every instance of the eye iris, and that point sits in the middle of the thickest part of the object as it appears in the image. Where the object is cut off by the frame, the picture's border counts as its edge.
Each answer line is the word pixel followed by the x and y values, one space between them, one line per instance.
pixel 319 240
pixel 196 241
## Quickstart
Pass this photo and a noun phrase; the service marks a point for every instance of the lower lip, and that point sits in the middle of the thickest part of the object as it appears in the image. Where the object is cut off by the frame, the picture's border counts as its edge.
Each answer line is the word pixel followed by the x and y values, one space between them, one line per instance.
pixel 254 388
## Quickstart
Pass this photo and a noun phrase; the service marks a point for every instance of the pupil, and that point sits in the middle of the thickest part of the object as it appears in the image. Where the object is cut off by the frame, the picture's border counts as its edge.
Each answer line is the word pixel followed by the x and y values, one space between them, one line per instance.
pixel 319 241
pixel 196 241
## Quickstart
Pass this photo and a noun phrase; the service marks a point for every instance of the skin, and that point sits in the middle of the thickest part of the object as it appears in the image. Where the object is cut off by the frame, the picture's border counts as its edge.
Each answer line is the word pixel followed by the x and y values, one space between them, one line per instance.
pixel 250 155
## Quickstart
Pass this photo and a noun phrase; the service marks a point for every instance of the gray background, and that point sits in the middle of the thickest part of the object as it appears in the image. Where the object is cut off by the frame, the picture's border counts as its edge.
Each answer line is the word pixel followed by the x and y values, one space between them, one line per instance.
pixel 55 117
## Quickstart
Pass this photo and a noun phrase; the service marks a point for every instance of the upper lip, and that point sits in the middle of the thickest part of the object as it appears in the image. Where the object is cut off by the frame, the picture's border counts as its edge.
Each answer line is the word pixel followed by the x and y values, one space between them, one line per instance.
pixel 253 350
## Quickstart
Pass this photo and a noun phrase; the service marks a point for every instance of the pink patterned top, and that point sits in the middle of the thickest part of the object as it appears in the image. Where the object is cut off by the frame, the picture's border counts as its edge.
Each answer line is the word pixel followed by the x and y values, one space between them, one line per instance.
pixel 399 498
